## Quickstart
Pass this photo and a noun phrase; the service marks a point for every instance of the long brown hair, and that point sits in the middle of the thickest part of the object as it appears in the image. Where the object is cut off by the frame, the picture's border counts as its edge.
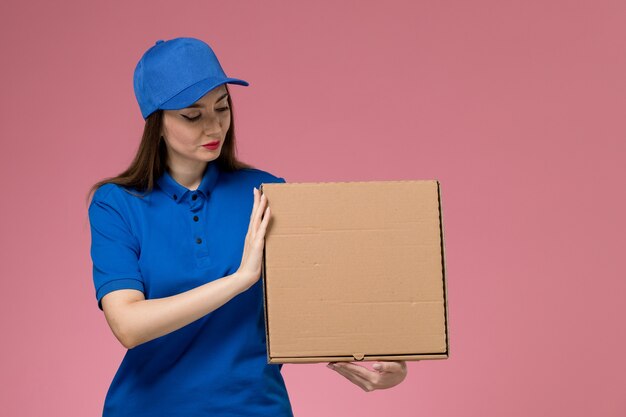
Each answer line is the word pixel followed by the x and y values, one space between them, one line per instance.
pixel 150 161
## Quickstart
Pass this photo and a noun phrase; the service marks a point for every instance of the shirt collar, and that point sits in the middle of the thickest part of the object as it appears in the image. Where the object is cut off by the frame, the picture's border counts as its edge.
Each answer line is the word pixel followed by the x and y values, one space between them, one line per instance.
pixel 177 192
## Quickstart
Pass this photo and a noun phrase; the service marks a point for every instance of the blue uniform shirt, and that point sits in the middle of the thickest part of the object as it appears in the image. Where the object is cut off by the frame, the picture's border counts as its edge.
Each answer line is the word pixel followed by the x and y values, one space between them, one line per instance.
pixel 173 240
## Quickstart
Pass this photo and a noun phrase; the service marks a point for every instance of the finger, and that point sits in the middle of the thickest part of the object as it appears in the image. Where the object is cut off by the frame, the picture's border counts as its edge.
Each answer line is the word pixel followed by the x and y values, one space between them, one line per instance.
pixel 360 370
pixel 261 210
pixel 355 379
pixel 388 366
pixel 264 223
pixel 350 376
pixel 254 206
pixel 252 213
pixel 259 213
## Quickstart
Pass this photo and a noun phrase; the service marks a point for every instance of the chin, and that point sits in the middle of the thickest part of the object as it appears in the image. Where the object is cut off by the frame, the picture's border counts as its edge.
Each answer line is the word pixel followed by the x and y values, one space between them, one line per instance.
pixel 212 157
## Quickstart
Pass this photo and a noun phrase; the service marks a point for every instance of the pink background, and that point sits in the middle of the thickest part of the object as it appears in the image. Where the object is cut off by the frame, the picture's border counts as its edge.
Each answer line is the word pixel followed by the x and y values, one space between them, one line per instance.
pixel 517 107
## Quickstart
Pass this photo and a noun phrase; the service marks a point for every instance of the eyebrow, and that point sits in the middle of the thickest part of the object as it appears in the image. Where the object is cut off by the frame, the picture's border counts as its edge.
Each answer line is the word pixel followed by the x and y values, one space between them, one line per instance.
pixel 200 105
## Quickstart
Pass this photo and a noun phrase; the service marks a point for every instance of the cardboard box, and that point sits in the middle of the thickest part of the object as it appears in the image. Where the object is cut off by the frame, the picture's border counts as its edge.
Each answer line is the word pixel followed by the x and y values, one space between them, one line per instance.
pixel 355 271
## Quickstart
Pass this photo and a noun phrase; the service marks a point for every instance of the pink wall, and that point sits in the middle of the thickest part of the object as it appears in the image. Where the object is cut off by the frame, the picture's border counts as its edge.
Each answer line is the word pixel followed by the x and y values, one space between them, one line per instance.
pixel 517 107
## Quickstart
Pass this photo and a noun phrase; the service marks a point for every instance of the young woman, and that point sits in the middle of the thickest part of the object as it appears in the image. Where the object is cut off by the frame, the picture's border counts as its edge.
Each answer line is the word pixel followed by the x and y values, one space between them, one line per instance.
pixel 177 244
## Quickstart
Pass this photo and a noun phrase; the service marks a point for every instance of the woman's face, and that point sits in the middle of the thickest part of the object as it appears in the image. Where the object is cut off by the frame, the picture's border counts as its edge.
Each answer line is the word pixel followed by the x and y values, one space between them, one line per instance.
pixel 186 130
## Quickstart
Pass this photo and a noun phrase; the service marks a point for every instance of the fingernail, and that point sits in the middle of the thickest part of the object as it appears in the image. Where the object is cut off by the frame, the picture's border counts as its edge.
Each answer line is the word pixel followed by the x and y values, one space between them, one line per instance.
pixel 331 366
pixel 377 366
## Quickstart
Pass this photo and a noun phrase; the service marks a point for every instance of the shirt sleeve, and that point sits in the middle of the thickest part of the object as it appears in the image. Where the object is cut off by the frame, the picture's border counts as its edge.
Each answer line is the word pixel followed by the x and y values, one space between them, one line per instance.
pixel 114 251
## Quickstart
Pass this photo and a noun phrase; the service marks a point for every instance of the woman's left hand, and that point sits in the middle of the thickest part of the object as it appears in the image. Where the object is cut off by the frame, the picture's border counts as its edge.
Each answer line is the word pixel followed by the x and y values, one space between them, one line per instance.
pixel 386 374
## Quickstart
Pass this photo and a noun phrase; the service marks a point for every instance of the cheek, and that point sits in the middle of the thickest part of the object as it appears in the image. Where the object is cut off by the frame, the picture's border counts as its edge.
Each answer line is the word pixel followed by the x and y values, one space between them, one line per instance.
pixel 183 135
pixel 226 121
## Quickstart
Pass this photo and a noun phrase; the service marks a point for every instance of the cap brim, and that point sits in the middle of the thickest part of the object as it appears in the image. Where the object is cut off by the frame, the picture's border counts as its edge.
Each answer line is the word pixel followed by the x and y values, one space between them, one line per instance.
pixel 196 91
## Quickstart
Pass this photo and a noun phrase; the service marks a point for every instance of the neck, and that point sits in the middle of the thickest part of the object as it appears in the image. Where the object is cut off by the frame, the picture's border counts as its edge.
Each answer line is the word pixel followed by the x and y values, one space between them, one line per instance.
pixel 189 176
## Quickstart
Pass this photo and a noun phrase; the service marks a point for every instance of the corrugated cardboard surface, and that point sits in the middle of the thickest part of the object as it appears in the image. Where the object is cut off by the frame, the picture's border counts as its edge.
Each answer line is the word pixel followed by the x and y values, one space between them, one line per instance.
pixel 355 271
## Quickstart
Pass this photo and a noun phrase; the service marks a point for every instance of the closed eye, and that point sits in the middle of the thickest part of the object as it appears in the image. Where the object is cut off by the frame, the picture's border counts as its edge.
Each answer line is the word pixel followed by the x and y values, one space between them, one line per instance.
pixel 192 119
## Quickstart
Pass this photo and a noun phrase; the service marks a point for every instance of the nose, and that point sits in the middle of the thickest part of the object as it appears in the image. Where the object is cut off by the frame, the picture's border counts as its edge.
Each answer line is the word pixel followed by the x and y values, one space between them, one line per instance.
pixel 211 125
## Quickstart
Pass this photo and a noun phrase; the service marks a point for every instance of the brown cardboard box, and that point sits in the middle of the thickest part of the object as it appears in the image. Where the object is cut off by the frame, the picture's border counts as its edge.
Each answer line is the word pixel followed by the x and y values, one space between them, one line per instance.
pixel 355 271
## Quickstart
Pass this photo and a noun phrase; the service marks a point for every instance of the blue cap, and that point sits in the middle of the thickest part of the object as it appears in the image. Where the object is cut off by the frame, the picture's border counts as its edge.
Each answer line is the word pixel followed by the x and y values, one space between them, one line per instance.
pixel 176 73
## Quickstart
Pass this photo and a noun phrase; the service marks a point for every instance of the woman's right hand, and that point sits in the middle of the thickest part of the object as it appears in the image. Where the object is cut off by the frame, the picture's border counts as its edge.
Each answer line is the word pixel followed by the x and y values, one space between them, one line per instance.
pixel 250 268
